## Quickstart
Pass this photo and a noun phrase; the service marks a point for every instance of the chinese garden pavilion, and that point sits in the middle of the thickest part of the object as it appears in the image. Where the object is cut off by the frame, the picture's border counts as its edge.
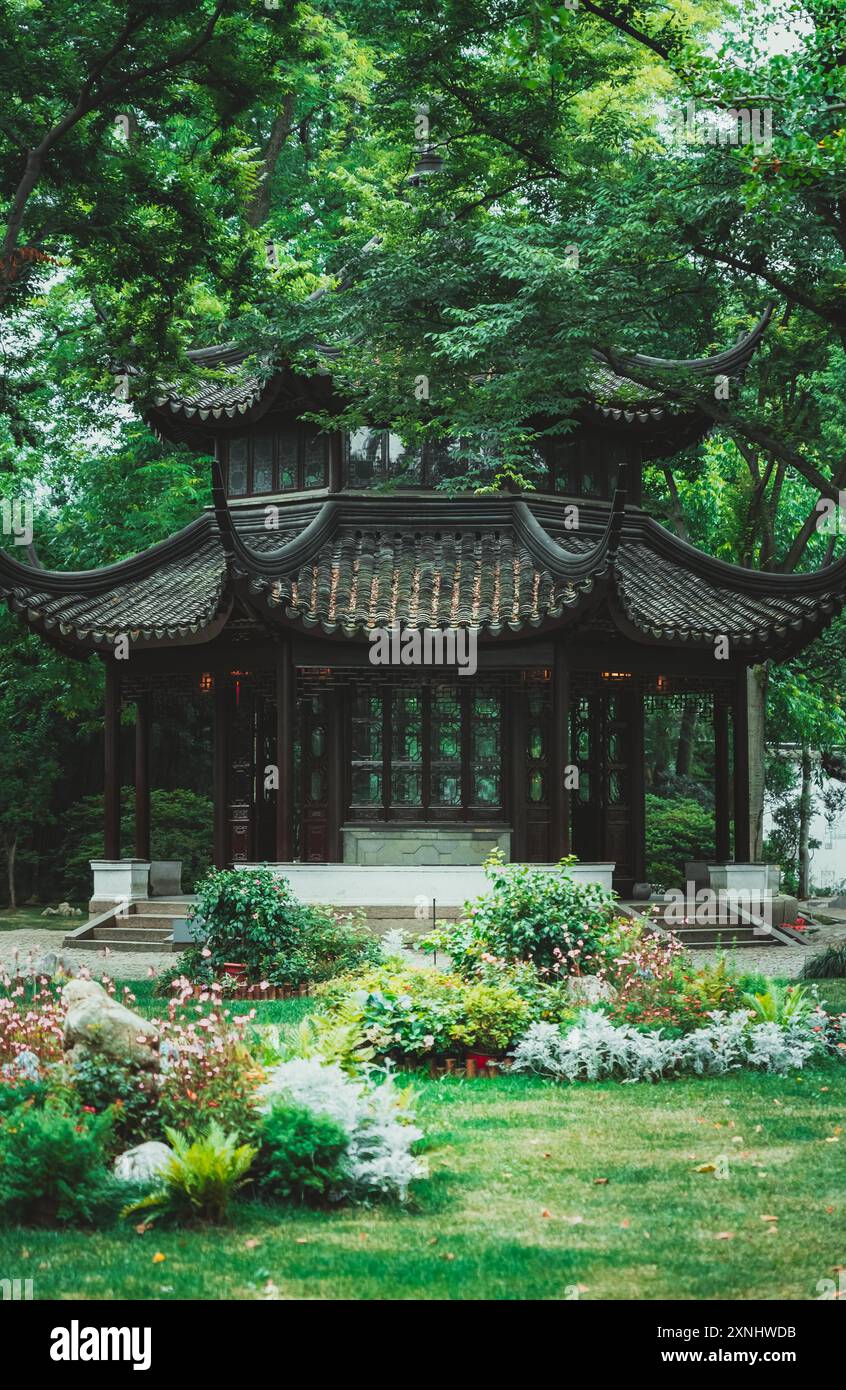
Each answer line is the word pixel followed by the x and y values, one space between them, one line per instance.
pixel 577 629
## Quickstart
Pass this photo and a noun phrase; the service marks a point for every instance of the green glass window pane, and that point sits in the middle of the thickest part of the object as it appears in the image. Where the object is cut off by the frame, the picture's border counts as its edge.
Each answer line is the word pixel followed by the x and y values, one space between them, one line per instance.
pixel 406 788
pixel 318 742
pixel 486 789
pixel 486 707
pixel 614 754
pixel 263 463
pixel 583 744
pixel 317 785
pixel 487 743
pixel 536 749
pixel 405 462
pixel 286 443
pixel 366 787
pixel 446 787
pixel 315 459
pixel 238 467
pixel 583 790
pixel 366 741
pixel 616 794
pixel 365 456
pixel 536 788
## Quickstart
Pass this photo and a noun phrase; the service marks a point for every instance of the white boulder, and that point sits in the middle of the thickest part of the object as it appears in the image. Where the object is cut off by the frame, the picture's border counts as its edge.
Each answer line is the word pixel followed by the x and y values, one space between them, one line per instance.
pixel 96 1024
pixel 144 1163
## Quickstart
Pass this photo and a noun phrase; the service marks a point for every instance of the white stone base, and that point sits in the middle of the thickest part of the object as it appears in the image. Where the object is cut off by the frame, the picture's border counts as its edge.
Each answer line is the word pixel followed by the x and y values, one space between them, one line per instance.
pixel 371 885
pixel 166 878
pixel 749 888
pixel 117 880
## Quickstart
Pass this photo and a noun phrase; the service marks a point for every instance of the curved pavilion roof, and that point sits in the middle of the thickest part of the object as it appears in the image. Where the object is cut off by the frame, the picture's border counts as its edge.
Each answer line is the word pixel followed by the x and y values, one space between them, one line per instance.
pixel 344 565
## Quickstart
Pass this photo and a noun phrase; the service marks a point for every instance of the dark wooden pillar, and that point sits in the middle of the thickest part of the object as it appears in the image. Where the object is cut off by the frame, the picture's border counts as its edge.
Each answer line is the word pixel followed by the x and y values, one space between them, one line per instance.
pixel 559 804
pixel 285 682
pixel 111 763
pixel 637 784
pixel 740 725
pixel 142 777
pixel 222 714
pixel 336 460
pixel 722 813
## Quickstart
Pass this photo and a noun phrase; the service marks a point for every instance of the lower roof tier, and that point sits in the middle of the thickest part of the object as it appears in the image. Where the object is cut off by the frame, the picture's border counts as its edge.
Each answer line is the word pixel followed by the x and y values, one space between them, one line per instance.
pixel 504 565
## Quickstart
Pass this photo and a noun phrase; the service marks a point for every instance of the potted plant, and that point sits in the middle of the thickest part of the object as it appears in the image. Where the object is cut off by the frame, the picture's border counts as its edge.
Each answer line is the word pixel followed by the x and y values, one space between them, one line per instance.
pixel 493 1015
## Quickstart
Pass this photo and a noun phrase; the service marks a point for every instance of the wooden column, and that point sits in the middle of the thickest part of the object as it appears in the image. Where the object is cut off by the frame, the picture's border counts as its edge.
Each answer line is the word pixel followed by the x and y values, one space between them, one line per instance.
pixel 722 793
pixel 740 726
pixel 142 777
pixel 285 713
pixel 222 713
pixel 559 803
pixel 637 784
pixel 111 763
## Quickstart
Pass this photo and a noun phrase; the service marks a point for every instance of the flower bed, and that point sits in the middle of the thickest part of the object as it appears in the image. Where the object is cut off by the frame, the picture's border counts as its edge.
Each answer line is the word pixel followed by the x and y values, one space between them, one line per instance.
pixel 191 1111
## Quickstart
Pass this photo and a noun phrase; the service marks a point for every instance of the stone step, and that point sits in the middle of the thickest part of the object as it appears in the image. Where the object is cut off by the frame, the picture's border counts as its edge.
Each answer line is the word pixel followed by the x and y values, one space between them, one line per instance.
pixel 162 907
pixel 147 921
pixel 151 934
pixel 137 945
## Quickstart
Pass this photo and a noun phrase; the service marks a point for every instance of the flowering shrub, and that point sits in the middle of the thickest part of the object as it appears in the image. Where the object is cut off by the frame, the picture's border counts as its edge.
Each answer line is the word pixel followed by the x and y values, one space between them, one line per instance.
pixel 207 1069
pixel 254 918
pixel 375 1118
pixel 657 984
pixel 528 914
pixel 31 1022
pixel 596 1049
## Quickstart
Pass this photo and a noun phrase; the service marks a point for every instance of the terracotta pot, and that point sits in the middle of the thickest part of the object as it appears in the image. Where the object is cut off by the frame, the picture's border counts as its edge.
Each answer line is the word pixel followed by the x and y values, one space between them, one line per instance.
pixel 481 1059
pixel 235 969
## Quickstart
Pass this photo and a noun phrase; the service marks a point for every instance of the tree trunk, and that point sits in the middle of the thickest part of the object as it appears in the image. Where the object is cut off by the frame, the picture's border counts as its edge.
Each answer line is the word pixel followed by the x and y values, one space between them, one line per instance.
pixel 757 678
pixel 11 852
pixel 805 811
pixel 687 738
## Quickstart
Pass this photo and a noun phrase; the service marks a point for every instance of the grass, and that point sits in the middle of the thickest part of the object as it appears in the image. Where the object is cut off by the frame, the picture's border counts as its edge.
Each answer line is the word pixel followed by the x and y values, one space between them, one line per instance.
pixel 20 918
pixel 514 1208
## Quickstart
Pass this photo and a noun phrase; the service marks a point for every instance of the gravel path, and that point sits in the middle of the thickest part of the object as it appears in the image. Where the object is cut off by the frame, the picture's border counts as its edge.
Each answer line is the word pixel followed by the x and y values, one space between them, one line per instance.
pixel 120 965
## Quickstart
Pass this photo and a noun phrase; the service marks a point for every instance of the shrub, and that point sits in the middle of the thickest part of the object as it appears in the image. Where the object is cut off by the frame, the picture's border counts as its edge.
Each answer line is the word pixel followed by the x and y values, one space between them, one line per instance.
pixel 200 1179
pixel 375 1118
pixel 528 914
pixel 254 917
pixel 678 829
pixel 493 1015
pixel 208 1072
pixel 129 1092
pixel 596 1049
pixel 399 1010
pixel 829 964
pixel 300 1154
pixel 52 1168
pixel 31 1021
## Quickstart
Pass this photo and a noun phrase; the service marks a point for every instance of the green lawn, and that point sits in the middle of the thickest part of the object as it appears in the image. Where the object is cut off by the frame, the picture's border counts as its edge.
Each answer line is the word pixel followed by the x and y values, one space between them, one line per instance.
pixel 514 1209
pixel 20 918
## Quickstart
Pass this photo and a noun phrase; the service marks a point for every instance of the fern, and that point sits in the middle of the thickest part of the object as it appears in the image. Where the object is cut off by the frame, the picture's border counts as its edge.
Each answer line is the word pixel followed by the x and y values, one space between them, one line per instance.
pixel 200 1179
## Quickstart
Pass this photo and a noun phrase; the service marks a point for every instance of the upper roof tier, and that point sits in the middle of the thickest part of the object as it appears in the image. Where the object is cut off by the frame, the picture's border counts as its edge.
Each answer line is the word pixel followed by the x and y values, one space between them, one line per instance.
pixel 646 398
pixel 505 565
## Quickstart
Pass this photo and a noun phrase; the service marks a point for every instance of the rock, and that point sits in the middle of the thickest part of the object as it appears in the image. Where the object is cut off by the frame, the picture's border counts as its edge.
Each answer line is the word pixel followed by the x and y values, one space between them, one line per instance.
pixel 143 1163
pixel 96 1024
pixel 50 912
pixel 51 965
pixel 589 989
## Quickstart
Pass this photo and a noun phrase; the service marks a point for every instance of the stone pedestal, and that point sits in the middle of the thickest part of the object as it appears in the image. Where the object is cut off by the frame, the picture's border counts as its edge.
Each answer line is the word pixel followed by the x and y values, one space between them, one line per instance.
pixel 118 880
pixel 166 878
pixel 748 888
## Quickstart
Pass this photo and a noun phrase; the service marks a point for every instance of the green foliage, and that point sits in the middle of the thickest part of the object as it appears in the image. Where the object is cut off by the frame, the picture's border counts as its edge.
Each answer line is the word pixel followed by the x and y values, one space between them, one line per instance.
pixel 677 830
pixel 829 964
pixel 200 1180
pixel 300 1155
pixel 254 918
pixel 493 1015
pixel 52 1169
pixel 533 915
pixel 129 1093
pixel 780 1004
